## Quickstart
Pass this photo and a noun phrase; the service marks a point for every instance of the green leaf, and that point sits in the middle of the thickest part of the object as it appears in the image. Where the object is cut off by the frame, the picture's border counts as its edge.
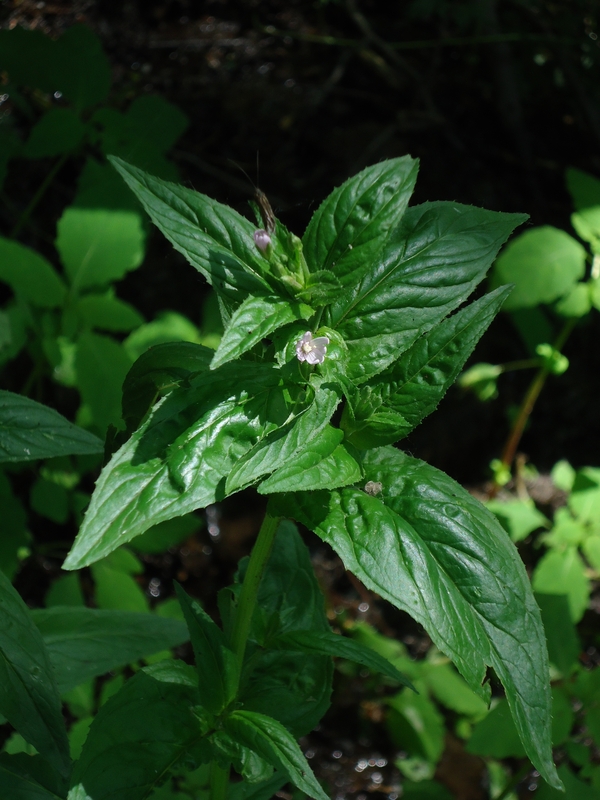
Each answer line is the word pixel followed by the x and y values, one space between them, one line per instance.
pixel 584 500
pixel 101 364
pixel 83 71
pixel 127 754
pixel 585 191
pixel 25 777
pixel 519 518
pixel 294 691
pixel 577 303
pixel 254 320
pixel 324 463
pixel 167 534
pixel 14 528
pixel 117 591
pixel 350 226
pixel 392 405
pixel 430 264
pixel 215 661
pixel 30 275
pixel 215 239
pixel 178 460
pixel 444 558
pixel 50 500
pixel 168 327
pixel 59 131
pixel 563 643
pixel 331 644
pixel 108 313
pixel 563 572
pixel 98 246
pixel 85 642
pixel 544 264
pixel 262 791
pixel 28 692
pixel 157 120
pixel 452 691
pixel 271 741
pixel 286 443
pixel 416 725
pixel 156 372
pixel 29 430
pixel 575 789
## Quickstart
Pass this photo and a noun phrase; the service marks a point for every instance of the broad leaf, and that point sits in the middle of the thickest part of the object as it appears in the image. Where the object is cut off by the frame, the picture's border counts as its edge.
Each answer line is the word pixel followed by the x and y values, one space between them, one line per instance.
pixel 85 642
pixel 30 275
pixel 351 225
pixel 98 245
pixel 215 661
pixel 294 691
pixel 585 191
pixel 30 430
pixel 107 312
pixel 325 463
pixel 58 131
pixel 25 777
pixel 398 399
pixel 430 264
pixel 275 744
pixel 544 264
pixel 331 644
pixel 177 461
pixel 287 442
pixel 158 371
pixel 101 364
pixel 429 548
pixel 142 733
pixel 214 238
pixel 254 320
pixel 29 696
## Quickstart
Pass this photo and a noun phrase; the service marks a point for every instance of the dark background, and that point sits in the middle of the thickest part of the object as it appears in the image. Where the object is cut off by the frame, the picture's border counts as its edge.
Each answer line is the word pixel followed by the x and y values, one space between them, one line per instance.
pixel 497 99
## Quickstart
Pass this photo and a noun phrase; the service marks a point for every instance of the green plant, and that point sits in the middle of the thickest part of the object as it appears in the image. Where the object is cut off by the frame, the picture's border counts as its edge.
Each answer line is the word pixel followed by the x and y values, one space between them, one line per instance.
pixel 309 418
pixel 556 284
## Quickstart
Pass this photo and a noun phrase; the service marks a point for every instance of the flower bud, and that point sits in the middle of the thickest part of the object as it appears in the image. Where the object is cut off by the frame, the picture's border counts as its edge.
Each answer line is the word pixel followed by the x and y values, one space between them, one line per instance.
pixel 262 240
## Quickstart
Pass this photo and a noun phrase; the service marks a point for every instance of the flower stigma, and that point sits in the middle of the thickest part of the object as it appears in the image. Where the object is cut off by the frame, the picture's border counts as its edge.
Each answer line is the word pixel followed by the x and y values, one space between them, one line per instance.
pixel 312 350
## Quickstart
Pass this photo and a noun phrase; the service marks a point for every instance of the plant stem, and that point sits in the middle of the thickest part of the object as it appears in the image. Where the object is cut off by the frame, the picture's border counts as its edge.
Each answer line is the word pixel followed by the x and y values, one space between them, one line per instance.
pixel 219 777
pixel 38 195
pixel 514 781
pixel 249 594
pixel 219 781
pixel 529 401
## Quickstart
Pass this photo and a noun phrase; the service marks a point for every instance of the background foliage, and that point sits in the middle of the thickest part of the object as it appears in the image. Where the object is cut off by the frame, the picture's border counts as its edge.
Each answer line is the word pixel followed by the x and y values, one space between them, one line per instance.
pixel 500 101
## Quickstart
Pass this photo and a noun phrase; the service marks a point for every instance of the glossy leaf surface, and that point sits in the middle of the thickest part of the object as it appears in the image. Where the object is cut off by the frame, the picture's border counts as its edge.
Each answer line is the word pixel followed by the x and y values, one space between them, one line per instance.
pixel 177 461
pixel 254 320
pixel 351 225
pixel 85 642
pixel 29 696
pixel 285 444
pixel 441 556
pixel 430 264
pixel 275 744
pixel 142 733
pixel 215 239
pixel 398 399
pixel 30 430
pixel 325 463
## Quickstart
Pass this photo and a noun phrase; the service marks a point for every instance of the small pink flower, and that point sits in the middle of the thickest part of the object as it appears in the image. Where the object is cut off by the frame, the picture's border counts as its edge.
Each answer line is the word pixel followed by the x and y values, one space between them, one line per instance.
pixel 262 240
pixel 312 350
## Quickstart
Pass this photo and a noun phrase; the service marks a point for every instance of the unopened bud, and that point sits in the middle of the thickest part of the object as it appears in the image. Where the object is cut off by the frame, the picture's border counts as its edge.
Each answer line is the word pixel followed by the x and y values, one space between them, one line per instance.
pixel 262 240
